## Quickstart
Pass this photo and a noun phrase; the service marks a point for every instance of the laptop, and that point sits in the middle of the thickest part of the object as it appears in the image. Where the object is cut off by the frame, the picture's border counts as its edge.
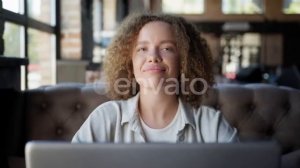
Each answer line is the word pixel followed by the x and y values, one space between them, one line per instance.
pixel 151 155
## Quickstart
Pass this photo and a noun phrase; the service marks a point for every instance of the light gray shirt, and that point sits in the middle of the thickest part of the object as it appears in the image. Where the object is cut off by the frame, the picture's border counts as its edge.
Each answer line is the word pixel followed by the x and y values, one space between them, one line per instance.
pixel 118 122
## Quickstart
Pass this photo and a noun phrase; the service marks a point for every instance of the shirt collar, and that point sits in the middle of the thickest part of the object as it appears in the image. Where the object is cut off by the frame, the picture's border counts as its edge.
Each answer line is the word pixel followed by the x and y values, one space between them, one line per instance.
pixel 130 109
pixel 131 115
pixel 187 112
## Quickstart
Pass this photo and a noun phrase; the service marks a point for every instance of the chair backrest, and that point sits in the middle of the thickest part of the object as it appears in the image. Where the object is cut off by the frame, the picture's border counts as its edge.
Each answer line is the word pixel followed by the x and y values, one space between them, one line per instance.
pixel 290 77
pixel 57 112
pixel 258 111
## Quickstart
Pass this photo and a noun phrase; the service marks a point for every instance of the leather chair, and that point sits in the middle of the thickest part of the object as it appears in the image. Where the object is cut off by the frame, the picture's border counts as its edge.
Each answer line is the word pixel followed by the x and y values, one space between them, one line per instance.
pixel 258 111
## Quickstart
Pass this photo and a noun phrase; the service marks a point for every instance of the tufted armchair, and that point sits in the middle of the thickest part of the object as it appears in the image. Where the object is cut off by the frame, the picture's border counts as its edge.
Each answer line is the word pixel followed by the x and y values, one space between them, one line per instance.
pixel 258 111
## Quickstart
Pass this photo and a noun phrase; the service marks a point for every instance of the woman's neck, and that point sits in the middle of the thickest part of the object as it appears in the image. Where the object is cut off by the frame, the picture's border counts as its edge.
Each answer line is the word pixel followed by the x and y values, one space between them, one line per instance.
pixel 157 109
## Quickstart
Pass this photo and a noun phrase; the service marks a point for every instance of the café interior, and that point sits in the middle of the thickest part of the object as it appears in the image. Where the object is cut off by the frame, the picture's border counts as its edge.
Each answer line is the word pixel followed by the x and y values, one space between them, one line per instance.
pixel 52 53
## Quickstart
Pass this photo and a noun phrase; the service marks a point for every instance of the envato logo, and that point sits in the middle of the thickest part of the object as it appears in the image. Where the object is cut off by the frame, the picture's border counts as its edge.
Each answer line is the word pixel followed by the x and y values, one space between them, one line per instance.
pixel 170 86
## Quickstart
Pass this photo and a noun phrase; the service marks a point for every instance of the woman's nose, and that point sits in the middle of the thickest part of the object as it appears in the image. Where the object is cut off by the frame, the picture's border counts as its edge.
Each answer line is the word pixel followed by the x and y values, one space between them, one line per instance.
pixel 154 56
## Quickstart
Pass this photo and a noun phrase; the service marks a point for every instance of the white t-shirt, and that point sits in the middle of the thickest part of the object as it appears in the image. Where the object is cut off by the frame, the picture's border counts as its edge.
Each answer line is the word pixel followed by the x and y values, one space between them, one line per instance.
pixel 166 134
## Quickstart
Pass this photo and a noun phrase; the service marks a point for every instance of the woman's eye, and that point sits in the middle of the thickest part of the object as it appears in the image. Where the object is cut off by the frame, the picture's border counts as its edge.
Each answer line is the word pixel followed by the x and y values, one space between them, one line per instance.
pixel 141 49
pixel 167 49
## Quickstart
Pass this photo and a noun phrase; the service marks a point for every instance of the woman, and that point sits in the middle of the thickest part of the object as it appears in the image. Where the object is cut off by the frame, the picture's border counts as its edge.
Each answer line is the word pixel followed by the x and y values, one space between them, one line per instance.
pixel 157 68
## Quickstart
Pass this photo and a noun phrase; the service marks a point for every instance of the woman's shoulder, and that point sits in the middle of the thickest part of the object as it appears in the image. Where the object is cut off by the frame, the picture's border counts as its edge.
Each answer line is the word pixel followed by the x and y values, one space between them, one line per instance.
pixel 199 112
pixel 206 111
pixel 104 112
pixel 109 107
pixel 111 104
pixel 214 126
pixel 113 109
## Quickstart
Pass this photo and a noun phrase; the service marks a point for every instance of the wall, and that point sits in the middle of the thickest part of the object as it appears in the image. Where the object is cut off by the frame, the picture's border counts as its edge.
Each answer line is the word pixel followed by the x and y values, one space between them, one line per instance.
pixel 70 30
pixel 70 68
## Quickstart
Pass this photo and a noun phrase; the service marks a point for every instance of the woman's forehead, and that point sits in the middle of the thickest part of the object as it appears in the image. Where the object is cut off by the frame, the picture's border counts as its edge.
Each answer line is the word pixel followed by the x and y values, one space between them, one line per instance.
pixel 156 29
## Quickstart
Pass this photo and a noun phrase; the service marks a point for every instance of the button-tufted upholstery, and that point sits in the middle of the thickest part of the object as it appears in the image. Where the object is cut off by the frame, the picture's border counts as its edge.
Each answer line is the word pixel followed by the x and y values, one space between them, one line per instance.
pixel 258 111
pixel 57 112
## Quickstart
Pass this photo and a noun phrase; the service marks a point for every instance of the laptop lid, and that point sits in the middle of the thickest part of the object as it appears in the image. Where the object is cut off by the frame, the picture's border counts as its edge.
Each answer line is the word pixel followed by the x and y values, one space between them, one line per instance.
pixel 227 155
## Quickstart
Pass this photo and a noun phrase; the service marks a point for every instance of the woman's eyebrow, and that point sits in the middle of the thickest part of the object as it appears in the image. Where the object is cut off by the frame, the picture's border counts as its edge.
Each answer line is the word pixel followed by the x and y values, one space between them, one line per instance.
pixel 168 41
pixel 161 42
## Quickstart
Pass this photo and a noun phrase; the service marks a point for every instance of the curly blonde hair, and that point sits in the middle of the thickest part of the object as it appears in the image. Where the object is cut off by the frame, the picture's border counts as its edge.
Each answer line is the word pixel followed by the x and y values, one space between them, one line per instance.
pixel 195 56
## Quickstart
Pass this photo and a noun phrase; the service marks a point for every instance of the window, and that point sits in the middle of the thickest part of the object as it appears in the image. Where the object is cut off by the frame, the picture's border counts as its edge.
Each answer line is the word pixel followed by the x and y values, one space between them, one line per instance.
pixel 41 69
pixel 183 6
pixel 42 10
pixel 104 24
pixel 243 6
pixel 15 6
pixel 30 32
pixel 239 51
pixel 99 47
pixel 103 27
pixel 291 6
pixel 14 40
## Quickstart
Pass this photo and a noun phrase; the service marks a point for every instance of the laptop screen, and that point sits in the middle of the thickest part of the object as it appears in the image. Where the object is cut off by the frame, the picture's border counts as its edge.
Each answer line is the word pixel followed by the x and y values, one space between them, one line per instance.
pixel 149 155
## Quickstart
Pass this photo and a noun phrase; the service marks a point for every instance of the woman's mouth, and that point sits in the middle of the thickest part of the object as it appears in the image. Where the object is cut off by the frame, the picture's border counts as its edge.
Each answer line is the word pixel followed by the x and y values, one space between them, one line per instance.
pixel 154 69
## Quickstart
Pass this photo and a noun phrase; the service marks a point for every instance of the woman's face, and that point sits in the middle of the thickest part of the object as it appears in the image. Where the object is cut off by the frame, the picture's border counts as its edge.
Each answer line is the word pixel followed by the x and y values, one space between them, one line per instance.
pixel 155 56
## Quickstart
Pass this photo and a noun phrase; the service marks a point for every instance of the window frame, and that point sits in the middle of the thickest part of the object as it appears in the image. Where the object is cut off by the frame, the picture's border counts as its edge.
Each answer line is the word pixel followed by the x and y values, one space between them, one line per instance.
pixel 23 19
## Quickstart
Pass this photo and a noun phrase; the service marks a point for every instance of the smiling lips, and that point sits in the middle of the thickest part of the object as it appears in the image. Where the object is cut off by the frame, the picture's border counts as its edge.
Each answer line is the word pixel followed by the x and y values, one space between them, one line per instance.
pixel 154 68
